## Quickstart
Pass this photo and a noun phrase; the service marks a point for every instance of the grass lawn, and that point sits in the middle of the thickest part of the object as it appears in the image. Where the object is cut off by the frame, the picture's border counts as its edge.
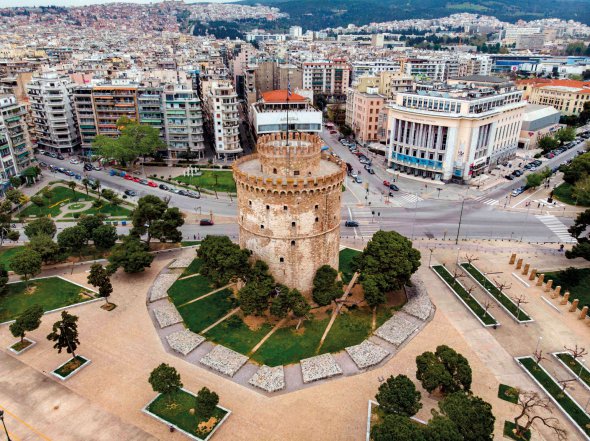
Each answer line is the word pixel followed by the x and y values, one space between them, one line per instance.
pixel 575 367
pixel 352 327
pixel 344 262
pixel 471 302
pixel 200 314
pixel 175 409
pixel 50 293
pixel 580 289
pixel 288 346
pixel 233 333
pixel 193 268
pixel 508 393
pixel 71 366
pixel 564 194
pixel 551 386
pixel 7 253
pixel 65 195
pixel 21 345
pixel 508 431
pixel 221 180
pixel 184 290
pixel 496 293
pixel 188 243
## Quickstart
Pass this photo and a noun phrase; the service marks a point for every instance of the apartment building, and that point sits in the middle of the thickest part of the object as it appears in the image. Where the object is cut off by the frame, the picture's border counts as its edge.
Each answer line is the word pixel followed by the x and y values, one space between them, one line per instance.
pixel 455 133
pixel 277 109
pixel 271 75
pixel 84 111
pixel 430 68
pixel 150 108
pixel 55 127
pixel 567 96
pixel 221 113
pixel 372 67
pixel 15 150
pixel 111 102
pixel 326 77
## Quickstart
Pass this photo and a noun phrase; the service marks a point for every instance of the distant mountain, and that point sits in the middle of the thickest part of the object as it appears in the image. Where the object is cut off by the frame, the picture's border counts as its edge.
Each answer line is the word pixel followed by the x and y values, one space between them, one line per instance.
pixel 319 14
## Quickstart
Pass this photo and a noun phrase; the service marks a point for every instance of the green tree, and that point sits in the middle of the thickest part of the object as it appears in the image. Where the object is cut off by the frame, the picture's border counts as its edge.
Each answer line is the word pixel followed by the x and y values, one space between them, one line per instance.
pixel 132 255
pixel 289 301
pixel 99 278
pixel 578 168
pixel 399 395
pixel 548 143
pixel 471 415
pixel 326 288
pixel 581 190
pixel 73 239
pixel 26 263
pixel 441 428
pixel 42 225
pixel 3 278
pixel 565 134
pixel 165 379
pixel 72 186
pixel 445 370
pixel 223 260
pixel 105 237
pixel 6 230
pixel 45 247
pixel 47 193
pixel 253 297
pixel 85 183
pixel 578 231
pixel 205 403
pixel 533 180
pixel 373 295
pixel 155 219
pixel 397 428
pixel 17 197
pixel 38 200
pixel 165 229
pixel 65 334
pixel 90 223
pixel 27 321
pixel 389 258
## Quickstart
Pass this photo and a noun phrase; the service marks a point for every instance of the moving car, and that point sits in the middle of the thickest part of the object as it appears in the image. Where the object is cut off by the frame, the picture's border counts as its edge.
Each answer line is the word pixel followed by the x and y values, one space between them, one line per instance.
pixel 371 171
pixel 386 183
pixel 518 191
pixel 393 187
pixel 130 193
pixel 351 223
pixel 97 167
pixel 358 180
pixel 88 166
pixel 206 222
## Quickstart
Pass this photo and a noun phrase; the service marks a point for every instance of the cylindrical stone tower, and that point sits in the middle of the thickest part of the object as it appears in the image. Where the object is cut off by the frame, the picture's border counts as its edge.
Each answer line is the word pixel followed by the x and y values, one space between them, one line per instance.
pixel 289 206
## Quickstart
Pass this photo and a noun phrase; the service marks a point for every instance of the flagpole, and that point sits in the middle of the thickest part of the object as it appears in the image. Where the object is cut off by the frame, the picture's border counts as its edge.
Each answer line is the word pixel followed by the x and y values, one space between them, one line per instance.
pixel 288 93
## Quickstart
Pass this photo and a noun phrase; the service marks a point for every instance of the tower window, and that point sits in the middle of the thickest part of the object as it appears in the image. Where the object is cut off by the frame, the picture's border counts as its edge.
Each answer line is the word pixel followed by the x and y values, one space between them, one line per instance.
pixel 281 259
pixel 274 170
pixel 285 207
pixel 292 243
pixel 268 207
pixel 296 173
pixel 292 224
pixel 317 219
pixel 250 203
pixel 317 206
pixel 262 227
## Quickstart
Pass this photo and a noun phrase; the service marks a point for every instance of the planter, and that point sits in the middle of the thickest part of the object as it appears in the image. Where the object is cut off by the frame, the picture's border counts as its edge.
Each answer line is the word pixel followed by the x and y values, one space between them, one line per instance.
pixel 575 371
pixel 66 370
pixel 18 349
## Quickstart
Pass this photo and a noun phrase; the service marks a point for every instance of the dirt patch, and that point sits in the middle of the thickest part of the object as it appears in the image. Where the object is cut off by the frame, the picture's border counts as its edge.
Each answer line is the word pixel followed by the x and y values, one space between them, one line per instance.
pixel 87 295
pixel 396 298
pixel 108 306
pixel 31 290
pixel 254 323
pixel 207 426
pixel 158 246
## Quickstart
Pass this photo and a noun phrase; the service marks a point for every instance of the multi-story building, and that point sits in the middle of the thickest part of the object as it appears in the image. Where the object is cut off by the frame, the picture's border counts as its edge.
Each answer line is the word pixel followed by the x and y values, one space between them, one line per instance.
pixel 112 102
pixel 455 133
pixel 372 67
pixel 326 77
pixel 151 109
pixel 183 120
pixel 277 109
pixel 430 68
pixel 55 127
pixel 567 96
pixel 84 110
pixel 221 112
pixel 15 149
pixel 271 75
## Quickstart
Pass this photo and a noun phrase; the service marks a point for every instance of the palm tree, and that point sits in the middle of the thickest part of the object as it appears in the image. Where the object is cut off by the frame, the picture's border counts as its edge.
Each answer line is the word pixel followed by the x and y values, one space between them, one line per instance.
pixel 85 183
pixel 97 185
pixel 72 186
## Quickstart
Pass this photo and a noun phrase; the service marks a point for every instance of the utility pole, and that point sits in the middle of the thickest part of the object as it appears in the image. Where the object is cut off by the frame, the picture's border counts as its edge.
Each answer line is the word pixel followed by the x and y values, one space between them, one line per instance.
pixel 460 219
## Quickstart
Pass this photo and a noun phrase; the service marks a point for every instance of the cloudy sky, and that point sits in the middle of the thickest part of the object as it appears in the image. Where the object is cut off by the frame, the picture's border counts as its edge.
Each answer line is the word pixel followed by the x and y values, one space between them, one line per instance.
pixel 9 3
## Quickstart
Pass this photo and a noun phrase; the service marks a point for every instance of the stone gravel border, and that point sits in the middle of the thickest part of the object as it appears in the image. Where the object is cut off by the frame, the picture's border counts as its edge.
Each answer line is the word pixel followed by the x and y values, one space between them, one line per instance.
pixel 181 262
pixel 184 341
pixel 367 354
pixel 161 285
pixel 167 315
pixel 396 330
pixel 319 367
pixel 224 360
pixel 419 304
pixel 270 379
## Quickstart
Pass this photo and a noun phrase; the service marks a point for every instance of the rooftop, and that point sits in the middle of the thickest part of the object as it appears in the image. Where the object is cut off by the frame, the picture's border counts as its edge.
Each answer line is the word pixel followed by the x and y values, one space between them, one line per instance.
pixel 281 96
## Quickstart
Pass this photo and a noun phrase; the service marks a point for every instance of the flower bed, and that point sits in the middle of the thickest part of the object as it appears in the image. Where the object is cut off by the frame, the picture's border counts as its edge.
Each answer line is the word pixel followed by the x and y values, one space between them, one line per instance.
pixel 21 346
pixel 467 299
pixel 508 393
pixel 561 398
pixel 174 410
pixel 503 300
pixel 70 367
pixel 575 367
pixel 509 428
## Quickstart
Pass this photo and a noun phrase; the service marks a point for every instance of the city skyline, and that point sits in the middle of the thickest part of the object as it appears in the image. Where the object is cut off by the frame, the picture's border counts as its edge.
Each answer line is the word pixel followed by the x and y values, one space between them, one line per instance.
pixel 68 3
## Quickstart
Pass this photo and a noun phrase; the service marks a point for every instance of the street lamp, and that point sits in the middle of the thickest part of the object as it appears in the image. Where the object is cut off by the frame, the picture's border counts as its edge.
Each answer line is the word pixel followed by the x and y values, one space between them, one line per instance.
pixel 4 424
pixel 460 219
pixel 582 361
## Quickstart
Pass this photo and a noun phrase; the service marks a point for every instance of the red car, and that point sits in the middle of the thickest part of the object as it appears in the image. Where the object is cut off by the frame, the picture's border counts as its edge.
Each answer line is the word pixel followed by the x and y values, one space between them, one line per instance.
pixel 128 177
pixel 333 132
pixel 152 184
pixel 136 179
pixel 386 183
pixel 206 222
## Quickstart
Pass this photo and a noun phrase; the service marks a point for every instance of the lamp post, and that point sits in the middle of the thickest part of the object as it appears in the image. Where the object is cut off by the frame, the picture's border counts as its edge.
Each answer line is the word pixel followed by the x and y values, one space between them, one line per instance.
pixel 582 361
pixel 4 424
pixel 460 219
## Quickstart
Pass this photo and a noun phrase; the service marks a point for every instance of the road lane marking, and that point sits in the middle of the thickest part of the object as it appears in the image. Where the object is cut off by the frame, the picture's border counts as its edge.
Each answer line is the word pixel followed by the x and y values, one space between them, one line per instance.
pixel 41 435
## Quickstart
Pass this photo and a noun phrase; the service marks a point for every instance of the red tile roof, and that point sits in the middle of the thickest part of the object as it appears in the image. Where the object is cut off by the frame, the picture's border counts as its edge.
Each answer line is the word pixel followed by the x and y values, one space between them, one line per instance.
pixel 543 82
pixel 280 96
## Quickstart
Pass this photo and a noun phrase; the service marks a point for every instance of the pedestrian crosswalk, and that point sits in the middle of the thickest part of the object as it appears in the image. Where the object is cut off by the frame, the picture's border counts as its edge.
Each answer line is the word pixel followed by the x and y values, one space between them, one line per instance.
pixel 408 200
pixel 487 201
pixel 557 227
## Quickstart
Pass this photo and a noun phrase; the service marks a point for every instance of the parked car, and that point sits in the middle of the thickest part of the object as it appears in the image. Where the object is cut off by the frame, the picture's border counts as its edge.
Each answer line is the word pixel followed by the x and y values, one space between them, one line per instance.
pixel 152 184
pixel 97 167
pixel 333 132
pixel 88 167
pixel 53 155
pixel 164 187
pixel 386 183
pixel 518 191
pixel 59 156
pixel 143 181
pixel 371 171
pixel 130 193
pixel 135 178
pixel 358 180
pixel 192 194
pixel 128 177
pixel 353 174
pixel 42 164
pixel 351 223
pixel 393 187
pixel 40 152
pixel 206 222
pixel 74 161
pixel 509 177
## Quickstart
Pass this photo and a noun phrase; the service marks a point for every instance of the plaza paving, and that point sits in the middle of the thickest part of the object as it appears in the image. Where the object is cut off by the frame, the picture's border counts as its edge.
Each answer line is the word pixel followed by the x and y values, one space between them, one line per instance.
pixel 124 347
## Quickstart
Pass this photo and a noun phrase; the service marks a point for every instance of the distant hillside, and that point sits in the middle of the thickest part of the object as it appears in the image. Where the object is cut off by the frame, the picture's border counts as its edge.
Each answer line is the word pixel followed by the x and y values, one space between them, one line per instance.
pixel 319 14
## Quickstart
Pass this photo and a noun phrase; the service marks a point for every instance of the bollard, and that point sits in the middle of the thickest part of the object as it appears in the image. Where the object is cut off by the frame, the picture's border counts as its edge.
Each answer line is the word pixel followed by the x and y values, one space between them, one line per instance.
pixel 565 298
pixel 556 292
pixel 512 258
pixel 540 279
pixel 574 305
pixel 518 263
pixel 548 286
pixel 583 313
pixel 533 274
pixel 526 269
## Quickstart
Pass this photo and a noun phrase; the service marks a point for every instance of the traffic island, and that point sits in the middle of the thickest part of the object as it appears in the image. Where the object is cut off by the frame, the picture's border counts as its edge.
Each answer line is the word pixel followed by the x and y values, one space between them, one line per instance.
pixel 21 346
pixel 71 367
pixel 177 410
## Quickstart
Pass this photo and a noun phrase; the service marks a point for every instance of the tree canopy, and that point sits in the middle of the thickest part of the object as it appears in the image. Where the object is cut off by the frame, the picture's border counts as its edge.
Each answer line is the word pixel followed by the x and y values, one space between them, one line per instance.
pixel 471 415
pixel 206 403
pixel 65 334
pixel 131 254
pixel 397 428
pixel 326 288
pixel 223 260
pixel 99 278
pixel 445 370
pixel 165 379
pixel 27 321
pixel 389 258
pixel 26 263
pixel 45 247
pixel 41 225
pixel 152 217
pixel 399 395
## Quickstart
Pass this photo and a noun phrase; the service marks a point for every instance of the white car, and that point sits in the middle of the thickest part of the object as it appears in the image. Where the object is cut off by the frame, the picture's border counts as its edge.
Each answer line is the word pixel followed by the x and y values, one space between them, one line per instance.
pixel 74 161
pixel 354 174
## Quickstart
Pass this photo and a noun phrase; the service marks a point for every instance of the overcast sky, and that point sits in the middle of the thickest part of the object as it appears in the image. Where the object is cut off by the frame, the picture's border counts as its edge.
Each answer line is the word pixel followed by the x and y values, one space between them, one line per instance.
pixel 9 3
